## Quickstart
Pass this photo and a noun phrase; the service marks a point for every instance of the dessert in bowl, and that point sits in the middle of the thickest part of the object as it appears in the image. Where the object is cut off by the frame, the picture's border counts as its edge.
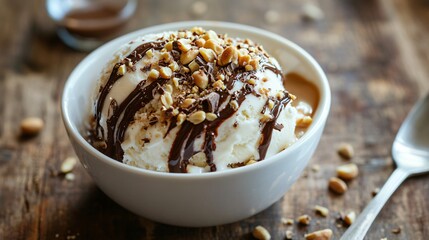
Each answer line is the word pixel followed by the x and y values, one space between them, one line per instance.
pixel 234 114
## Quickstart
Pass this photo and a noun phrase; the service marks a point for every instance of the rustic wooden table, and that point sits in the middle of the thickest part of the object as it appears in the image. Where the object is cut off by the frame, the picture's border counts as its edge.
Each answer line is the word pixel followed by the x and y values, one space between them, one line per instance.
pixel 375 54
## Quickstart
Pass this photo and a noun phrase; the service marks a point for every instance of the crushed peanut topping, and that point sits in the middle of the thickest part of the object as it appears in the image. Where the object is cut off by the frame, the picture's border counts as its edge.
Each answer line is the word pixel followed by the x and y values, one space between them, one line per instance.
pixel 153 74
pixel 304 121
pixel 181 118
pixel 197 117
pixel 187 103
pixel 211 116
pixel 166 99
pixel 234 104
pixel 195 63
pixel 122 69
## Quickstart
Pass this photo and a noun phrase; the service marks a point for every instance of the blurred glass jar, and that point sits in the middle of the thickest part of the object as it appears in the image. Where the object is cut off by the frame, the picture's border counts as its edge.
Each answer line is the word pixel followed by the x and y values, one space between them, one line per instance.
pixel 86 24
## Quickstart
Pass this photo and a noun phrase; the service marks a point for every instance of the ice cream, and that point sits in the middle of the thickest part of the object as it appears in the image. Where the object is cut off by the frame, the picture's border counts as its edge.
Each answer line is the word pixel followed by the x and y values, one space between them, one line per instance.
pixel 193 101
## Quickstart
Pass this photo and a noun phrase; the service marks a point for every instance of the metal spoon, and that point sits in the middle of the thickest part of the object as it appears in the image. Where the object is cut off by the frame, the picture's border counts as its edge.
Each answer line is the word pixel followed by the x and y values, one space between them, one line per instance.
pixel 410 151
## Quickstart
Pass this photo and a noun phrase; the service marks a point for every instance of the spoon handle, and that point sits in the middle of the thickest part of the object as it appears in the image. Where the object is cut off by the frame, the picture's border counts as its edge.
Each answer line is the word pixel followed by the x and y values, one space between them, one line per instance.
pixel 360 226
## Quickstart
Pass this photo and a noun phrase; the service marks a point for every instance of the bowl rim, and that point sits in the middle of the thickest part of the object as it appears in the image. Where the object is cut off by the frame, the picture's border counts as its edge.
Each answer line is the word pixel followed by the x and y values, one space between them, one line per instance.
pixel 319 118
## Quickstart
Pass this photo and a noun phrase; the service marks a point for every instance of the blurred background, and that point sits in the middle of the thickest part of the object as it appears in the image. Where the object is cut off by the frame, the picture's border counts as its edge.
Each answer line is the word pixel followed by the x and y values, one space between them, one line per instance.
pixel 375 54
pixel 357 33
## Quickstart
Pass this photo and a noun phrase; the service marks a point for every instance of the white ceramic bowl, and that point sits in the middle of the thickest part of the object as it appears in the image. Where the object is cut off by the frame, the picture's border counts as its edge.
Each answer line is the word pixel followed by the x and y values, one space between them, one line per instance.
pixel 195 200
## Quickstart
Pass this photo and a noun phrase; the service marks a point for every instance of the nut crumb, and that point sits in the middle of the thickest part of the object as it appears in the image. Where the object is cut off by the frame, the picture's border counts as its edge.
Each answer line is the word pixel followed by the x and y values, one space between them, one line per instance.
pixel 149 53
pixel 213 45
pixel 188 56
pixel 169 46
pixel 252 82
pixel 31 126
pixel 324 234
pixel 234 105
pixel 153 74
pixel 199 8
pixel 272 16
pixel 165 73
pixel 254 63
pixel 187 102
pixel 248 68
pixel 193 66
pixel 263 90
pixel 266 117
pixel 200 79
pixel 230 54
pixel 70 177
pixel 289 234
pixel 287 221
pixel 211 116
pixel 337 185
pixel 261 233
pixel 168 88
pixel 197 117
pixel 184 44
pixel 122 69
pixel 348 171
pixel 200 42
pixel 315 168
pixel 174 66
pixel 166 99
pixel 324 212
pixel 270 104
pixel 180 118
pixel 396 230
pixel 176 82
pixel 68 164
pixel 304 219
pixel 345 150
pixel 210 34
pixel 311 12
pixel 208 54
pixel 350 218
pixel 251 161
pixel 219 84
pixel 243 60
pixel 304 122
pixel 375 192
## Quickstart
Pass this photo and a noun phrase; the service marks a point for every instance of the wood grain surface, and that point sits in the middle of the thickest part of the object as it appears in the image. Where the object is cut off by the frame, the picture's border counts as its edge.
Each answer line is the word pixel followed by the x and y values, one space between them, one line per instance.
pixel 376 56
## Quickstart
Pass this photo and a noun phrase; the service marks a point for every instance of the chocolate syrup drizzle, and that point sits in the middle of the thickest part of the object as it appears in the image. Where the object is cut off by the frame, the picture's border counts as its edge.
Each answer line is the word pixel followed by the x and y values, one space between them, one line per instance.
pixel 130 104
pixel 216 102
pixel 268 127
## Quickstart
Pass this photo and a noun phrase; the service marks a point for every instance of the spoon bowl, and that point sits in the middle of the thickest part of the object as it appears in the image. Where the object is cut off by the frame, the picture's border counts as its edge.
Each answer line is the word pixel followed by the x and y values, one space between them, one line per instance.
pixel 410 151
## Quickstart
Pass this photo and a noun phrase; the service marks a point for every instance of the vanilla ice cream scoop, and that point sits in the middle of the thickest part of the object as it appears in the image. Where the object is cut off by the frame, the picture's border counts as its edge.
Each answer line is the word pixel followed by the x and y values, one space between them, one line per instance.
pixel 192 101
